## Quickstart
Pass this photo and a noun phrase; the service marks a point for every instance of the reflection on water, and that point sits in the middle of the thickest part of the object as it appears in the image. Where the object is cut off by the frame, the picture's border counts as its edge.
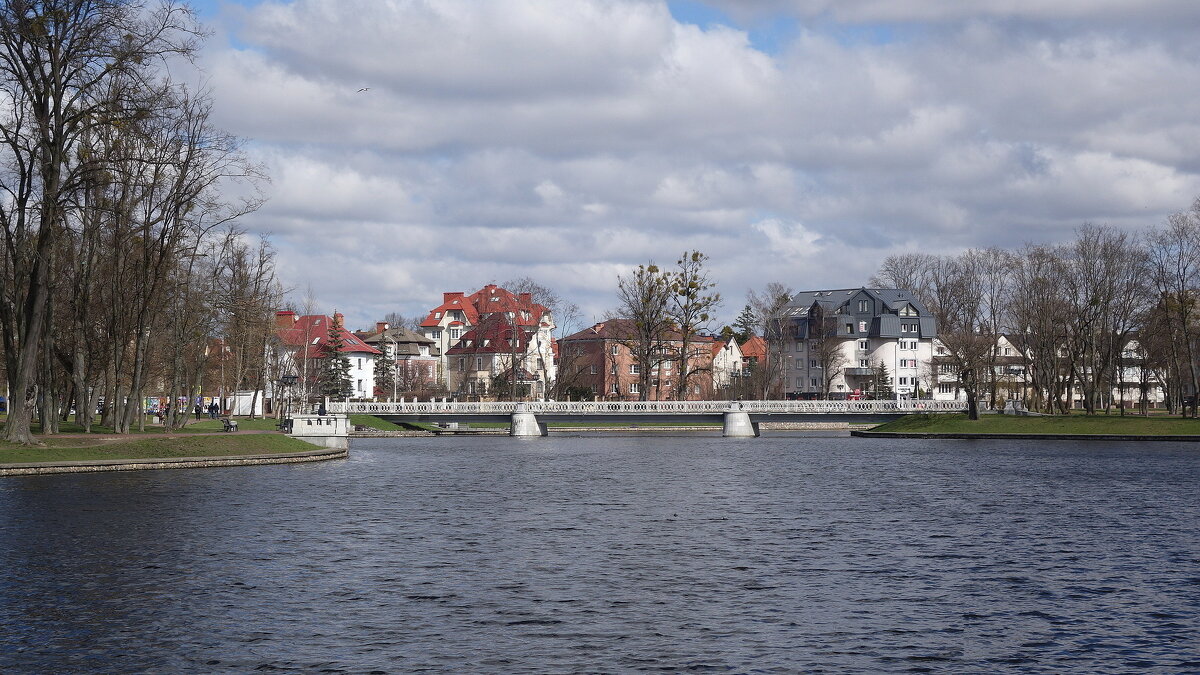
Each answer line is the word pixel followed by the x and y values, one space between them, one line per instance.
pixel 615 554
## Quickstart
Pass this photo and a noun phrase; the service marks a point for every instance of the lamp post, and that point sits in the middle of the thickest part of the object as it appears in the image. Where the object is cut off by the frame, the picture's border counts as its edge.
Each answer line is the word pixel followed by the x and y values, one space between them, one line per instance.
pixel 286 382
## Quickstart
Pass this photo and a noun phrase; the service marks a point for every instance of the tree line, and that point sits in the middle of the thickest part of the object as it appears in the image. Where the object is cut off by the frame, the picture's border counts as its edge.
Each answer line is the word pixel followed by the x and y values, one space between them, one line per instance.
pixel 120 264
pixel 1107 310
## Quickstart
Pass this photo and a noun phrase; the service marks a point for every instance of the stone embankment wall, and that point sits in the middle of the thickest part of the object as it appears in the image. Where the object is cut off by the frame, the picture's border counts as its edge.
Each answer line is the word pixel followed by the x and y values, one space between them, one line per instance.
pixel 38 468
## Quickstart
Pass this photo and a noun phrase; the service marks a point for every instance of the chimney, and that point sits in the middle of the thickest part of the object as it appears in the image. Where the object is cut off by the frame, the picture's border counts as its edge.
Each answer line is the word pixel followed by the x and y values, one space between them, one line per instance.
pixel 337 319
pixel 447 297
pixel 526 299
pixel 381 326
pixel 284 320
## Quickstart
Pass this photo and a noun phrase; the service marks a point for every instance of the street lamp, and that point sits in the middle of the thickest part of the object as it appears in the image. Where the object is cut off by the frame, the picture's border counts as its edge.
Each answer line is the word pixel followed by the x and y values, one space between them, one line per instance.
pixel 286 382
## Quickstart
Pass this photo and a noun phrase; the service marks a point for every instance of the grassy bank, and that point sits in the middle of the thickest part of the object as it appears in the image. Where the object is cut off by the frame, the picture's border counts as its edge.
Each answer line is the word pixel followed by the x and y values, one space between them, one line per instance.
pixel 1071 424
pixel 374 422
pixel 59 449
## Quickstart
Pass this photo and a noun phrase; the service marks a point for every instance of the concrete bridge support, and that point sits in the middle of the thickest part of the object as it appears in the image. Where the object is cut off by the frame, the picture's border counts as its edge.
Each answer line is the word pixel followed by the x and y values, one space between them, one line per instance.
pixel 327 431
pixel 524 423
pixel 738 424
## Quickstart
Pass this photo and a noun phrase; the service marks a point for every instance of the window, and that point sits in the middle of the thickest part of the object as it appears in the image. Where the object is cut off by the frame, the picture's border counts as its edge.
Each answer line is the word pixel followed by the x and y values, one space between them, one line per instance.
pixel 435 335
pixel 864 363
pixel 635 369
pixel 945 388
pixel 593 369
pixel 902 380
pixel 478 363
pixel 360 388
pixel 864 345
pixel 864 306
pixel 812 382
pixel 862 326
pixel 849 328
pixel 799 346
pixel 614 349
pixel 1007 351
pixel 360 367
pixel 908 310
pixel 633 388
pixel 941 351
pixel 665 365
pixel 437 315
pixel 614 369
pixel 904 328
pixel 616 388
pixel 812 363
pixel 908 363
pixel 455 333
pixel 946 369
pixel 462 364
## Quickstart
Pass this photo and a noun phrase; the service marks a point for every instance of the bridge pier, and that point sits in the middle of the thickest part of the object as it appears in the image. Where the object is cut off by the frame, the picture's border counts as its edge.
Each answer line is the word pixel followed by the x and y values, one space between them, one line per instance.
pixel 524 423
pixel 738 424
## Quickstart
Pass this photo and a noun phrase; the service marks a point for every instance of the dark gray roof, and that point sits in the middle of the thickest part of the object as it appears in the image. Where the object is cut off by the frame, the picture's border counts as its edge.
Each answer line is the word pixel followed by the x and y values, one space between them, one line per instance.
pixel 408 342
pixel 885 322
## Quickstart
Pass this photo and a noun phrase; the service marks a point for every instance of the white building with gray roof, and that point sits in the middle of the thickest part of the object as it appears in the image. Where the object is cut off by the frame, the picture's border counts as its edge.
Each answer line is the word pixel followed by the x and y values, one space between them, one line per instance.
pixel 869 327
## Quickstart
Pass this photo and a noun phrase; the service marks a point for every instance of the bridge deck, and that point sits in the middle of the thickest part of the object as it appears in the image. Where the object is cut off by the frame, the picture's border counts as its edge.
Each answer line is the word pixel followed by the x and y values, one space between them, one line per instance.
pixel 647 411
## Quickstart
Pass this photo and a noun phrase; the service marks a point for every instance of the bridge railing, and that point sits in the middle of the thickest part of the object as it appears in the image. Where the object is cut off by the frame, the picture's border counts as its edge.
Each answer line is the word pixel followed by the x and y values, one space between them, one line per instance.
pixel 647 407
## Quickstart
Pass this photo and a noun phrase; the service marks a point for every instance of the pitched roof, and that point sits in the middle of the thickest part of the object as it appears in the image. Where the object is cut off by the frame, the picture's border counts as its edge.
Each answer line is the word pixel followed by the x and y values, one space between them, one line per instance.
pixel 407 342
pixel 753 347
pixel 488 300
pixel 310 333
pixel 623 329
pixel 494 336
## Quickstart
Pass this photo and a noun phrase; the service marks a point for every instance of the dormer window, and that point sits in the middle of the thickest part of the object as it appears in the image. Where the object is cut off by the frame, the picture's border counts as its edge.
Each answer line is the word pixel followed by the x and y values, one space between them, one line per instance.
pixel 437 315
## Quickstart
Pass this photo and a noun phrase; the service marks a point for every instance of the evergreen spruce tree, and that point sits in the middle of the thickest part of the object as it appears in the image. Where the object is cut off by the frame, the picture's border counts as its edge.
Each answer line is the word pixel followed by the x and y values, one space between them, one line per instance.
pixel 385 372
pixel 745 324
pixel 882 381
pixel 334 380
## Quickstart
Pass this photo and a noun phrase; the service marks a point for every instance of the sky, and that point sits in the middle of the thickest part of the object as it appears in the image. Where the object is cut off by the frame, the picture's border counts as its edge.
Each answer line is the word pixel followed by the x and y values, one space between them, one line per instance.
pixel 793 141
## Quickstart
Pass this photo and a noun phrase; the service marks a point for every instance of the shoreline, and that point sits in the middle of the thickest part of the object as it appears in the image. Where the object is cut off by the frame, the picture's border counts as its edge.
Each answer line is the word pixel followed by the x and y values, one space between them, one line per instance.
pixel 1025 436
pixel 98 465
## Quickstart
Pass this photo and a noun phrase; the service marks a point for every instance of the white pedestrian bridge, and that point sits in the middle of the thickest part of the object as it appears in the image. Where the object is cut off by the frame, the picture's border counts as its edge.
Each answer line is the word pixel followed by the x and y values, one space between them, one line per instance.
pixel 741 418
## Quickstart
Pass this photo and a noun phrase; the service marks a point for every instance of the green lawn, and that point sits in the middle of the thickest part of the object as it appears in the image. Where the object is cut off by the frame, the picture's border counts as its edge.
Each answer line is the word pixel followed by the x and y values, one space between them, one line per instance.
pixel 142 447
pixel 1070 424
pixel 374 423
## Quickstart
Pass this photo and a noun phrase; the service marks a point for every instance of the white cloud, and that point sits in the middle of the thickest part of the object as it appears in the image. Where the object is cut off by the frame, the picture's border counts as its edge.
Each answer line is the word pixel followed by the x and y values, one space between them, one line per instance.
pixel 570 141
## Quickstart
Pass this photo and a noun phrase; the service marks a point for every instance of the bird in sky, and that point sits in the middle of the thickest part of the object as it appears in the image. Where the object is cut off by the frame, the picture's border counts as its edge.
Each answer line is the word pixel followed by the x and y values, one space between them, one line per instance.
pixel 363 89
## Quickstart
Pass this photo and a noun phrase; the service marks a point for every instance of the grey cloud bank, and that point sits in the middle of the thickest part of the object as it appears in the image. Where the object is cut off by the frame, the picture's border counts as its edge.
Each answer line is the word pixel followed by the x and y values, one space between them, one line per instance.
pixel 570 141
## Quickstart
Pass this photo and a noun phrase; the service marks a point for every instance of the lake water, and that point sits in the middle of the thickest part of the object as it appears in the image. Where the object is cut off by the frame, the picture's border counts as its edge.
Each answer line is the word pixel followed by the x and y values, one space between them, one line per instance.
pixel 785 553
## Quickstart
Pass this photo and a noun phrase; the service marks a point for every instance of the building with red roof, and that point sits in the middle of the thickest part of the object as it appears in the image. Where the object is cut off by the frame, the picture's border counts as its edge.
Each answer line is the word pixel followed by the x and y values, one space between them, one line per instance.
pixel 304 345
pixel 598 359
pixel 448 323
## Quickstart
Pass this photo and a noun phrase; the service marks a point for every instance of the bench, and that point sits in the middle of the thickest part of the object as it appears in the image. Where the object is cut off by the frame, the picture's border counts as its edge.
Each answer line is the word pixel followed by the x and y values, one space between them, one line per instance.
pixel 228 424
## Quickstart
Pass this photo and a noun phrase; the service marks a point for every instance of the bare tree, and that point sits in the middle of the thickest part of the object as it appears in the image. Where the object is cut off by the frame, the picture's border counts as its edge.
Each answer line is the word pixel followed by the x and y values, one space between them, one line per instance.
pixel 770 307
pixel 1174 254
pixel 643 297
pixel 691 309
pixel 60 61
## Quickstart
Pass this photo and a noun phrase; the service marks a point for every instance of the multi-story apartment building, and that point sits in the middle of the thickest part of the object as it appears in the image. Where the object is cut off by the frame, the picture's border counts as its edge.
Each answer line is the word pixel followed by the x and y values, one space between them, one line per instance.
pixel 447 323
pixel 600 360
pixel 495 353
pixel 839 342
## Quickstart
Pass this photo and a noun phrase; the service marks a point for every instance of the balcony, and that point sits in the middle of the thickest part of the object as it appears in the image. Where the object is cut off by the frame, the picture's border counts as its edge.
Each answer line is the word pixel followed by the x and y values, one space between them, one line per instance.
pixel 858 372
